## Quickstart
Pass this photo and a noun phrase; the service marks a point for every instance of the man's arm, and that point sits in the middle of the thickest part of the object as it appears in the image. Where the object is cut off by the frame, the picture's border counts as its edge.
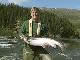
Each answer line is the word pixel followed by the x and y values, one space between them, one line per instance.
pixel 23 31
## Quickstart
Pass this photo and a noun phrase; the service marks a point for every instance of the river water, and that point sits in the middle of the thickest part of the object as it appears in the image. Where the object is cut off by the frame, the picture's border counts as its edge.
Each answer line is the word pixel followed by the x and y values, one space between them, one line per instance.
pixel 11 49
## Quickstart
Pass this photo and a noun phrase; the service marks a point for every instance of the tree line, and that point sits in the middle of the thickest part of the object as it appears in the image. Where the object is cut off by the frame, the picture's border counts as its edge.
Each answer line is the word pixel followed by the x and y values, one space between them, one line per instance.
pixel 12 16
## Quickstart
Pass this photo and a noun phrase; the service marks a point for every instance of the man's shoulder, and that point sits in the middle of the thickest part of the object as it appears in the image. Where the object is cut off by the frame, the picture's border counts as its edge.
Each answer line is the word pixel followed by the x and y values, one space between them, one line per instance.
pixel 25 22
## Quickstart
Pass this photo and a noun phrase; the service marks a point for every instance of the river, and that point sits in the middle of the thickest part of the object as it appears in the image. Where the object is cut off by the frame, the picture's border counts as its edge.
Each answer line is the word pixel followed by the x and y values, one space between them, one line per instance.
pixel 11 49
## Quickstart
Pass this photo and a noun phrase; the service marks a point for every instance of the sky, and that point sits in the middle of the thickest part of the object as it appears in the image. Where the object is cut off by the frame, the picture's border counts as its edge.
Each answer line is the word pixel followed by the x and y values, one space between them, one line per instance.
pixel 74 4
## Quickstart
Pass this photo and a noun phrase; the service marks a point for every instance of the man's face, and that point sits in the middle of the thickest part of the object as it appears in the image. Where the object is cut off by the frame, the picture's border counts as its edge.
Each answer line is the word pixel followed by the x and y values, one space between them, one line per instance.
pixel 35 15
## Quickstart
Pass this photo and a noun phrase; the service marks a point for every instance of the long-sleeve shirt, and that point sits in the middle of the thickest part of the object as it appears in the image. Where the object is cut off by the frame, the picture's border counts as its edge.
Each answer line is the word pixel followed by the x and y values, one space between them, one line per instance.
pixel 24 30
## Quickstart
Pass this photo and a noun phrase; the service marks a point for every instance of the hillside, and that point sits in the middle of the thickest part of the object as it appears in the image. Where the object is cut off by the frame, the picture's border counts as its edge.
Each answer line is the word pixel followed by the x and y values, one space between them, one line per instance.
pixel 72 14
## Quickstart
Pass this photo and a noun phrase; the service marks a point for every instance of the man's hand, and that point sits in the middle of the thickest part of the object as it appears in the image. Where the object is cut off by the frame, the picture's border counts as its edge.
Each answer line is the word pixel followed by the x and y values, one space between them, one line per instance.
pixel 45 45
pixel 24 38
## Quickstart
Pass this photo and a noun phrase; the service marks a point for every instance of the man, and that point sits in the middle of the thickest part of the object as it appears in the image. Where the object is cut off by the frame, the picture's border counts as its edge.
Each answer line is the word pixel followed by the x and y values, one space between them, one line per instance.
pixel 33 28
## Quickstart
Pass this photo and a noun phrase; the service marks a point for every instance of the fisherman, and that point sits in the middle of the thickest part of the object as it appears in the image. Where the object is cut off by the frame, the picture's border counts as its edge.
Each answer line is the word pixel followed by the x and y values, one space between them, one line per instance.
pixel 33 28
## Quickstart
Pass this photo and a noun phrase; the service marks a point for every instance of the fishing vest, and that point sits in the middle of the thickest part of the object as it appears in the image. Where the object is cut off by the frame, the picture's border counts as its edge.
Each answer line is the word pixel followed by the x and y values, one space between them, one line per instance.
pixel 31 28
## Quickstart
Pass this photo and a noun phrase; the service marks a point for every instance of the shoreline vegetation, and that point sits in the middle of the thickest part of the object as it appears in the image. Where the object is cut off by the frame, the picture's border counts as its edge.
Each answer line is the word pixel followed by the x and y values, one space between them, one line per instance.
pixel 61 22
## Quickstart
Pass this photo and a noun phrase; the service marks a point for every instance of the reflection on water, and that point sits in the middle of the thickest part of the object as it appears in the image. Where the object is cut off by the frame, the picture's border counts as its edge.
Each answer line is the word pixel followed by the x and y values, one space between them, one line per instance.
pixel 12 50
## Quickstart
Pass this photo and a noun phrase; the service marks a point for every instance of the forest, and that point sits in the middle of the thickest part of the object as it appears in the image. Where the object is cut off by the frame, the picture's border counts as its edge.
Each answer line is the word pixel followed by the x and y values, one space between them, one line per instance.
pixel 62 23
